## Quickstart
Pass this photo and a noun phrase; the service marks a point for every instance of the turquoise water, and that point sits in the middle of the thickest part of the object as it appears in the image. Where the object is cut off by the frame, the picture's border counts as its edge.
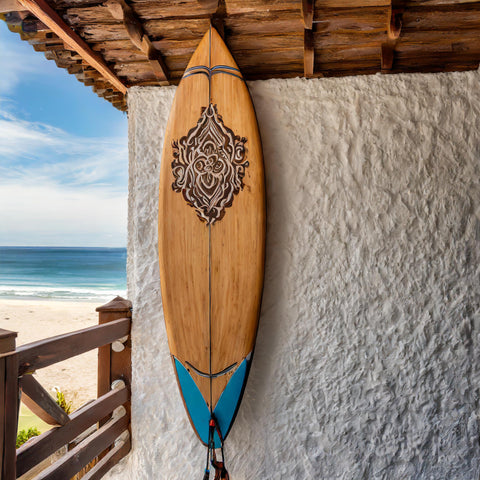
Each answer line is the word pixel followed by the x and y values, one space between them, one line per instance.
pixel 62 273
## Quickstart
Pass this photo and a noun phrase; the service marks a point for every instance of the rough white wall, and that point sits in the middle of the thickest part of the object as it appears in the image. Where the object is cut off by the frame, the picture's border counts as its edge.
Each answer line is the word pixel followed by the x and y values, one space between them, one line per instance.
pixel 367 358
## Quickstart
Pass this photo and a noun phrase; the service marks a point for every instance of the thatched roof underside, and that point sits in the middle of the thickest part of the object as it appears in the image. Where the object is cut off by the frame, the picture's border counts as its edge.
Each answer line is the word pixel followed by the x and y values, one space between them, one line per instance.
pixel 269 39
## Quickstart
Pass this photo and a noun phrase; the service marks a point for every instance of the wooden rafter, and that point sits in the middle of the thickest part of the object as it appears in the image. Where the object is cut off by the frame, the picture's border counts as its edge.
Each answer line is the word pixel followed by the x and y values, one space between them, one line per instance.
pixel 120 10
pixel 218 17
pixel 394 29
pixel 52 19
pixel 308 44
pixel 307 13
pixel 308 53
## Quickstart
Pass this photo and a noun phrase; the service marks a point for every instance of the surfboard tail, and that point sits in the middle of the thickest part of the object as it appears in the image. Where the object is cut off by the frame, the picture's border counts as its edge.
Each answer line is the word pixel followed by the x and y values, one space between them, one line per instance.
pixel 212 427
pixel 224 411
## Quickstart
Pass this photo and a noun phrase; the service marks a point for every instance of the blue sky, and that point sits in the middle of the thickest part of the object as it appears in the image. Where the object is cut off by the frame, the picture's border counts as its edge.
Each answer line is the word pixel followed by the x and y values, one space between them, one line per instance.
pixel 63 155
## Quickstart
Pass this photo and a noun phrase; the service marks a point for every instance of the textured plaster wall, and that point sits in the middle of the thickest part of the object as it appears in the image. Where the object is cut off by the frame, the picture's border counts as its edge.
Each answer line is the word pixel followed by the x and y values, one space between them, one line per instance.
pixel 368 355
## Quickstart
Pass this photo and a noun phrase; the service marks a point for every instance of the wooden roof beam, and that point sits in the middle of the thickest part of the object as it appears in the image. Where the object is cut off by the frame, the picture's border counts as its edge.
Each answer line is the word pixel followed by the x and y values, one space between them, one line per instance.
pixel 7 6
pixel 394 29
pixel 218 15
pixel 308 43
pixel 307 13
pixel 52 20
pixel 120 10
pixel 308 53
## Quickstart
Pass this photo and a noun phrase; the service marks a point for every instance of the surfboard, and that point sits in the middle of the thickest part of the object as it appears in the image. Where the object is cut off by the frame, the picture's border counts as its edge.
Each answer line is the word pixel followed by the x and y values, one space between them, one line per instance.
pixel 211 236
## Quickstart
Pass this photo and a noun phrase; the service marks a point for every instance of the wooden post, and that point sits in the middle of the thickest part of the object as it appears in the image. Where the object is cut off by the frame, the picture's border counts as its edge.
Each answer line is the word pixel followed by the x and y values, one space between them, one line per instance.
pixel 8 404
pixel 114 365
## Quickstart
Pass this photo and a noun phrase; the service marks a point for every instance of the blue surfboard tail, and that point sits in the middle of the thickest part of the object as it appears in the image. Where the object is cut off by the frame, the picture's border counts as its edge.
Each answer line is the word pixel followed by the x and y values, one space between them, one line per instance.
pixel 226 407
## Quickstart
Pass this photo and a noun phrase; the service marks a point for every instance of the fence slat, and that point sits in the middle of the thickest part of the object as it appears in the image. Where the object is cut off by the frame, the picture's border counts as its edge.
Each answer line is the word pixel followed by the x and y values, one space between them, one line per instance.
pixel 7 344
pixel 108 461
pixel 10 417
pixel 40 402
pixel 85 452
pixel 41 447
pixel 56 349
pixel 2 412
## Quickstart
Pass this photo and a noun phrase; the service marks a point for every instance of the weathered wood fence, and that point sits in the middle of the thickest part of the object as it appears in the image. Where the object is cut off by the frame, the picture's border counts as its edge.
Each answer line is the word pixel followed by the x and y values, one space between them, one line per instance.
pixel 109 442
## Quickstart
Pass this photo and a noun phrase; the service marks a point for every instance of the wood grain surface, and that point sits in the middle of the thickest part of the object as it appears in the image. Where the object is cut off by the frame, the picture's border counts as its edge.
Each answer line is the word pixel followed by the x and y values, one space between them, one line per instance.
pixel 156 39
pixel 212 275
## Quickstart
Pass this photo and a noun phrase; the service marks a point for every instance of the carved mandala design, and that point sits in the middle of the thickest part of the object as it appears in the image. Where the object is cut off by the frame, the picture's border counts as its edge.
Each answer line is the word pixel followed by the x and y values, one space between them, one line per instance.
pixel 209 166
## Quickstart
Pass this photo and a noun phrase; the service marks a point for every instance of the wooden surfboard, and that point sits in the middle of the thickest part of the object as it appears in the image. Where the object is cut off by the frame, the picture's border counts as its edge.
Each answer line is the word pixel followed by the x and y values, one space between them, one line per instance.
pixel 211 238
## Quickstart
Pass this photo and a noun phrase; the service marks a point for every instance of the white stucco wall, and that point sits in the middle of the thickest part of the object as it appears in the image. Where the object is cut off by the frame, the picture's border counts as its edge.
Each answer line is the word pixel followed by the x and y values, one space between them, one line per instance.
pixel 368 354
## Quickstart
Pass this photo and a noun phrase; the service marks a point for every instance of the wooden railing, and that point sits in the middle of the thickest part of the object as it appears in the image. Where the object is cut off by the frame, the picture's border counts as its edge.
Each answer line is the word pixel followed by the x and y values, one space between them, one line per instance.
pixel 108 415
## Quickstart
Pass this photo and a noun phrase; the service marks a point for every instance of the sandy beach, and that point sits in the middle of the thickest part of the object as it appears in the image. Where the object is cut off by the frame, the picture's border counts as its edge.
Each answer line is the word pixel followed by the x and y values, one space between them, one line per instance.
pixel 38 319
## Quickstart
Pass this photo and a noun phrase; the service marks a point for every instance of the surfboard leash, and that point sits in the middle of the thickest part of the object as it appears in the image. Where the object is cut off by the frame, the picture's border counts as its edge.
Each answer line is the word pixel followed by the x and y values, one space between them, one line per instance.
pixel 220 470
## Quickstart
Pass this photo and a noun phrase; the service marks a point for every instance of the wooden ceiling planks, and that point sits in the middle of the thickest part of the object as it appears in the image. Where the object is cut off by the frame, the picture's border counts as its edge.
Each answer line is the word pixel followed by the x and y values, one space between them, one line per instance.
pixel 424 30
pixel 240 7
pixel 99 13
pixel 268 38
pixel 356 4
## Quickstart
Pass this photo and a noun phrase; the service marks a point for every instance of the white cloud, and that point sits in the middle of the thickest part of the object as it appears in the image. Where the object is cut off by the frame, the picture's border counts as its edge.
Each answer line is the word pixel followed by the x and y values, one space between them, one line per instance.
pixel 54 215
pixel 37 150
pixel 21 137
pixel 60 189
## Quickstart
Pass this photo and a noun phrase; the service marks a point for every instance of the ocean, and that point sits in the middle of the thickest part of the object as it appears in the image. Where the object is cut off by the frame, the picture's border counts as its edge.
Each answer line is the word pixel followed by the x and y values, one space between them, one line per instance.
pixel 63 273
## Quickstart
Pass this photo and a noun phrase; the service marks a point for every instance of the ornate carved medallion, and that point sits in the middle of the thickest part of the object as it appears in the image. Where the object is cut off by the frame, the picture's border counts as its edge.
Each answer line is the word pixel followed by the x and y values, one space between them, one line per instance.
pixel 209 166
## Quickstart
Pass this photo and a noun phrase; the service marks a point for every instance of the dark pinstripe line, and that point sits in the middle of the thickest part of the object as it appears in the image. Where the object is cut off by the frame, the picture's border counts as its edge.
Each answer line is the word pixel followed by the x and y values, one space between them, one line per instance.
pixel 226 73
pixel 197 73
pixel 212 74
pixel 225 67
pixel 216 67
